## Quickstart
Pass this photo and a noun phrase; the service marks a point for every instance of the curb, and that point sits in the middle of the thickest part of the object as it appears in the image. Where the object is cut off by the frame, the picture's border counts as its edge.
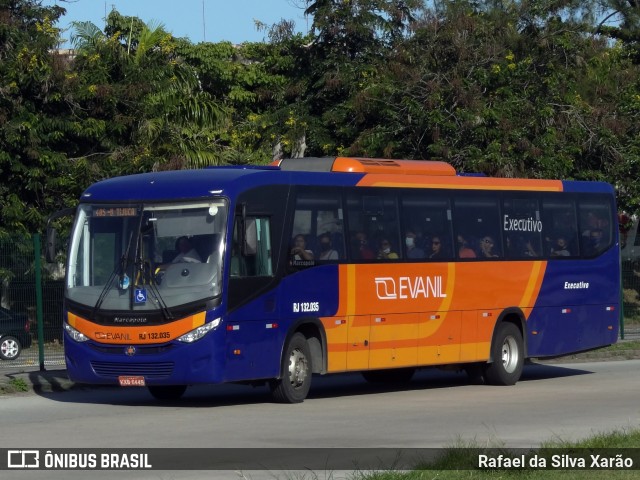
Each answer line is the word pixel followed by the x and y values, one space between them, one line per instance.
pixel 35 381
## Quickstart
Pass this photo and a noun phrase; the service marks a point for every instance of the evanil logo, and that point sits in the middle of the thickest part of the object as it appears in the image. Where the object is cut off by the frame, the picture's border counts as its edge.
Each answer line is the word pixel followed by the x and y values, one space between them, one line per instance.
pixel 389 288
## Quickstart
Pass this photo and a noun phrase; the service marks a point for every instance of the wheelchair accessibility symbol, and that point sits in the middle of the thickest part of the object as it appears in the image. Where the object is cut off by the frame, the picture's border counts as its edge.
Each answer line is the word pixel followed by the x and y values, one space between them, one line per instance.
pixel 140 295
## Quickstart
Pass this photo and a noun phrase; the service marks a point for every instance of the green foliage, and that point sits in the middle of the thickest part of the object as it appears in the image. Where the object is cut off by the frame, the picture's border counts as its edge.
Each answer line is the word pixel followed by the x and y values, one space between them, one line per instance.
pixel 156 115
pixel 35 176
pixel 530 88
pixel 18 384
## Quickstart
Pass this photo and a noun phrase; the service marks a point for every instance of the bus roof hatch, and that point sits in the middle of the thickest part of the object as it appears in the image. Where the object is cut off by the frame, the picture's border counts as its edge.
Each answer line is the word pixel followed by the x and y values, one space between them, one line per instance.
pixel 366 165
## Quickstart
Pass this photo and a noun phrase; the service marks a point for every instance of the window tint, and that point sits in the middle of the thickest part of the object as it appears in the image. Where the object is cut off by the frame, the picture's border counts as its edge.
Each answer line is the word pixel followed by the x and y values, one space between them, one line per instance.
pixel 477 227
pixel 317 235
pixel 254 258
pixel 596 225
pixel 560 228
pixel 521 227
pixel 374 230
pixel 426 219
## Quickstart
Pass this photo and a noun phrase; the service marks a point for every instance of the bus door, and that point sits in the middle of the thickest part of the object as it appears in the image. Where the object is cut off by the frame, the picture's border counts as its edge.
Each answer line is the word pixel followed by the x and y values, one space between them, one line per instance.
pixel 253 335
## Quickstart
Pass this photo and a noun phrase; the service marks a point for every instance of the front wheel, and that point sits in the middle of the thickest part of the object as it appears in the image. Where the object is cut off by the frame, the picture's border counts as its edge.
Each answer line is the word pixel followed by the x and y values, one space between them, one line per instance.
pixel 507 352
pixel 294 385
pixel 10 348
pixel 167 392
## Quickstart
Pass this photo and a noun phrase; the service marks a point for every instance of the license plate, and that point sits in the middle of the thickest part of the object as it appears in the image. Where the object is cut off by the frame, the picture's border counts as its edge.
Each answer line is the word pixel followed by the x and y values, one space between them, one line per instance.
pixel 131 381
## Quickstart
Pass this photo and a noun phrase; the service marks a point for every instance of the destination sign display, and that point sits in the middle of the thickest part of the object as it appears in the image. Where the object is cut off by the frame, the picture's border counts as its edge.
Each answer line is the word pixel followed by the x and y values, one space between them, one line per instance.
pixel 115 212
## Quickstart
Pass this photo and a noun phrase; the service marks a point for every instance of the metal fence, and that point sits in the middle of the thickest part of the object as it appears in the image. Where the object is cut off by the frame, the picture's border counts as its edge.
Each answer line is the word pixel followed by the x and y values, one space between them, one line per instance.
pixel 31 294
pixel 31 300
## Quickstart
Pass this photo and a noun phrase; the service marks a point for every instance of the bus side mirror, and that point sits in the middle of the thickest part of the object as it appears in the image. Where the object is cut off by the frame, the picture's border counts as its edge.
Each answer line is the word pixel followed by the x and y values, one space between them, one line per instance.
pixel 50 246
pixel 52 235
pixel 250 244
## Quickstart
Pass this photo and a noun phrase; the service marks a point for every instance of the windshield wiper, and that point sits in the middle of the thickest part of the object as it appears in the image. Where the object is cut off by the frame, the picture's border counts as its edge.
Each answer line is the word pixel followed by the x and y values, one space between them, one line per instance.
pixel 121 270
pixel 145 268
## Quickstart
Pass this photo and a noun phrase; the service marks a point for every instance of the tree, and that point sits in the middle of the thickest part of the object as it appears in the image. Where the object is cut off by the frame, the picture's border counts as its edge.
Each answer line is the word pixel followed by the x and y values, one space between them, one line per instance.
pixel 146 101
pixel 36 178
pixel 621 22
pixel 350 41
pixel 509 89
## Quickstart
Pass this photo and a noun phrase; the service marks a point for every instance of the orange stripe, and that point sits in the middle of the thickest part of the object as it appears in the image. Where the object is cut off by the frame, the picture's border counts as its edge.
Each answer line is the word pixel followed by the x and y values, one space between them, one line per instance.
pixel 136 334
pixel 343 347
pixel 460 183
pixel 532 290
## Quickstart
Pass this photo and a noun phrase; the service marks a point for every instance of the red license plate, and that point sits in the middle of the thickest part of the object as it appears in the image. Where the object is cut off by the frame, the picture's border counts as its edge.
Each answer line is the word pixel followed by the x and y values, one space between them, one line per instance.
pixel 131 381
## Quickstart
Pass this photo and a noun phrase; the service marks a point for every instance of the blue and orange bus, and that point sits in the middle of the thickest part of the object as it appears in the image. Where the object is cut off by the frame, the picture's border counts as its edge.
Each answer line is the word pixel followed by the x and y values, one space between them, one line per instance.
pixel 321 265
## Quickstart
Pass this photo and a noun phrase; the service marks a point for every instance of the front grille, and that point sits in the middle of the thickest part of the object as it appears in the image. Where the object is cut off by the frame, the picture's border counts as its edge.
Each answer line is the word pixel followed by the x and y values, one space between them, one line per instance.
pixel 120 349
pixel 147 370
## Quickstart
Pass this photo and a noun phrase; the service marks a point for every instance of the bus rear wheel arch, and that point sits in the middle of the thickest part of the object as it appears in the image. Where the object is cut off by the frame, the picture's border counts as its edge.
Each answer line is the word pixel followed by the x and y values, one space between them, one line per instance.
pixel 507 354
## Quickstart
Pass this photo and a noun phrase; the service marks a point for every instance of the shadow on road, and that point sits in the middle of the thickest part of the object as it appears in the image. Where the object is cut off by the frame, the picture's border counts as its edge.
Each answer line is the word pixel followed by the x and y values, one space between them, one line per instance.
pixel 330 386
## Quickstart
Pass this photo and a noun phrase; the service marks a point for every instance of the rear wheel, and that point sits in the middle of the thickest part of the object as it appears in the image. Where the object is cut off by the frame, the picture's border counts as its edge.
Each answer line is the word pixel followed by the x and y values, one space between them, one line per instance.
pixel 294 385
pixel 10 348
pixel 393 375
pixel 167 392
pixel 507 352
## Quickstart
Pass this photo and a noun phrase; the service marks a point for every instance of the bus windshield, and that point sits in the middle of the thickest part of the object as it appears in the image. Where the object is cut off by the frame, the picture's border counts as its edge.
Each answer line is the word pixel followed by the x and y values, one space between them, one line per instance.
pixel 144 257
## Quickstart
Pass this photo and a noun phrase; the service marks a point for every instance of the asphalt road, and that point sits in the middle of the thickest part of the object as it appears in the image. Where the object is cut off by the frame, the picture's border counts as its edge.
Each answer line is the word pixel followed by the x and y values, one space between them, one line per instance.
pixel 567 401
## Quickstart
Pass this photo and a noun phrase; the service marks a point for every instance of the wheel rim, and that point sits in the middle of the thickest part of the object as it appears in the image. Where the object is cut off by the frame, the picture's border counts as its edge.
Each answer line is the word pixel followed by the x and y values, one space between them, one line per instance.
pixel 510 354
pixel 9 348
pixel 297 368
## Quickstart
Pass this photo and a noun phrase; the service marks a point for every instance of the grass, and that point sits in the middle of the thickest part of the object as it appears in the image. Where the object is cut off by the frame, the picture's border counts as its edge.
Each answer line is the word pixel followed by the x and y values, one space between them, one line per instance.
pixel 14 385
pixel 459 462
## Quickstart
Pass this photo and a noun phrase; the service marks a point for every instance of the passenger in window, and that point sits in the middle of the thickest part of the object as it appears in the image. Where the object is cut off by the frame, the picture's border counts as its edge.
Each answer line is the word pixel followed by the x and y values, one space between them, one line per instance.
pixel 363 250
pixel 596 243
pixel 560 248
pixel 464 251
pixel 326 252
pixel 591 223
pixel 384 252
pixel 529 251
pixel 299 252
pixel 436 248
pixel 486 248
pixel 186 252
pixel 413 251
pixel 520 248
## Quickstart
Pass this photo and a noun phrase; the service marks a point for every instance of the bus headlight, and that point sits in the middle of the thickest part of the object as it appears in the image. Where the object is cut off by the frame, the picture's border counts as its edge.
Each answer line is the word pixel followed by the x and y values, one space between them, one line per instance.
pixel 75 334
pixel 199 332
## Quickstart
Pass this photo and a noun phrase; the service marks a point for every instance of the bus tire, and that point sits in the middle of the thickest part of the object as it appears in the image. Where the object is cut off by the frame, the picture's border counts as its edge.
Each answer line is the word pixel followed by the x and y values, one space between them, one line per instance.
pixel 167 392
pixel 507 352
pixel 294 385
pixel 392 375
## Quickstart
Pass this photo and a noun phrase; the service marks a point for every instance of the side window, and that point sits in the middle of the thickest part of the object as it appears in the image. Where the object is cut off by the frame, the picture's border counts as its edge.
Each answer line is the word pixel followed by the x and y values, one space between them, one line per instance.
pixel 426 219
pixel 521 227
pixel 596 225
pixel 374 230
pixel 317 235
pixel 560 228
pixel 477 227
pixel 251 258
